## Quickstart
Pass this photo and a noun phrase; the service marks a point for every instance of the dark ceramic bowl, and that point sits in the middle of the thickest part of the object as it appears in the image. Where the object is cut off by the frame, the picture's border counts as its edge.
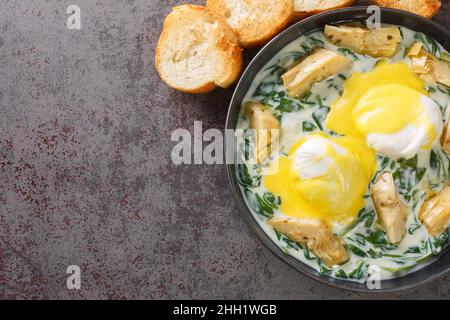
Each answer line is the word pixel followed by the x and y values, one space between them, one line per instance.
pixel 436 267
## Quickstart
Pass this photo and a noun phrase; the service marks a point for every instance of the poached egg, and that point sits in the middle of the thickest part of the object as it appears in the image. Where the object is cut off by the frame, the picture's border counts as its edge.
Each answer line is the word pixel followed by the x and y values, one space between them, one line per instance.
pixel 390 108
pixel 323 177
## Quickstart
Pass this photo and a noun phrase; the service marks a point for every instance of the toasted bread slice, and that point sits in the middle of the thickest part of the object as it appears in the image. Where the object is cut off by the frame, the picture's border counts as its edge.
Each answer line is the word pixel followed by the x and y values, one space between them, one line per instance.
pixel 197 51
pixel 305 8
pixel 425 8
pixel 254 21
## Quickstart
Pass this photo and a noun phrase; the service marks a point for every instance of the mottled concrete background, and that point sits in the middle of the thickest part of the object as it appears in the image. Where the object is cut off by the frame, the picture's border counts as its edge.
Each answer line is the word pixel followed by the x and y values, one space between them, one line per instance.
pixel 86 176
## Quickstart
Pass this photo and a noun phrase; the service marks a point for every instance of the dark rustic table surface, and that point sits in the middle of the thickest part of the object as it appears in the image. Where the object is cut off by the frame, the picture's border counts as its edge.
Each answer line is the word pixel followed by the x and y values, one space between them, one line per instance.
pixel 86 176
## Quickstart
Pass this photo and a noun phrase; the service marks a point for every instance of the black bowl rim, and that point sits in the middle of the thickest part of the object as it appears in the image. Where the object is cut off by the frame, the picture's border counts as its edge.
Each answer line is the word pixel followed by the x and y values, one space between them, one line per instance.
pixel 358 13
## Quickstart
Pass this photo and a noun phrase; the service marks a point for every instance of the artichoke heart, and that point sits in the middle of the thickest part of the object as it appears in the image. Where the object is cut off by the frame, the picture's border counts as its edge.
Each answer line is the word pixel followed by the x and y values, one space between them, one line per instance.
pixel 445 138
pixel 381 42
pixel 391 211
pixel 266 129
pixel 316 235
pixel 427 66
pixel 318 66
pixel 435 212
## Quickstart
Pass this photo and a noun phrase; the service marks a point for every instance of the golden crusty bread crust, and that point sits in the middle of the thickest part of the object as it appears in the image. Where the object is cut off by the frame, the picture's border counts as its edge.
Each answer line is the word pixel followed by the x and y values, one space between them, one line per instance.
pixel 254 21
pixel 425 8
pixel 197 51
pixel 306 8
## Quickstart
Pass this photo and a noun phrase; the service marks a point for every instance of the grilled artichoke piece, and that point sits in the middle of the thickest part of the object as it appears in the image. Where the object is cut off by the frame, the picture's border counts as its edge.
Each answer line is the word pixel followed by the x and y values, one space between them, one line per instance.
pixel 435 212
pixel 429 68
pixel 318 66
pixel 445 57
pixel 266 129
pixel 316 235
pixel 390 209
pixel 380 42
pixel 445 138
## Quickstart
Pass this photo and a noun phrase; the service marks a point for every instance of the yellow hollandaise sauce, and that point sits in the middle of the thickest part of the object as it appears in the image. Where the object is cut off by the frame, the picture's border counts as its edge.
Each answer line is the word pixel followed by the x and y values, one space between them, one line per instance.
pixel 323 177
pixel 384 103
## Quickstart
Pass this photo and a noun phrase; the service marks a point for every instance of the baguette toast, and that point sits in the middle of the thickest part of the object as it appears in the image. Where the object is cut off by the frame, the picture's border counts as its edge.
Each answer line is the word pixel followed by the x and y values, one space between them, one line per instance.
pixel 254 21
pixel 425 8
pixel 197 51
pixel 306 8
